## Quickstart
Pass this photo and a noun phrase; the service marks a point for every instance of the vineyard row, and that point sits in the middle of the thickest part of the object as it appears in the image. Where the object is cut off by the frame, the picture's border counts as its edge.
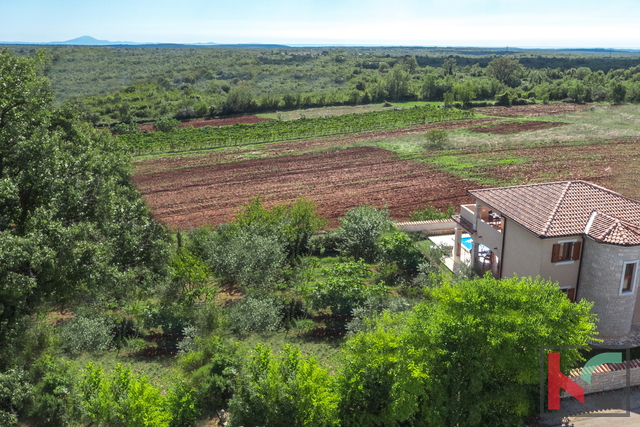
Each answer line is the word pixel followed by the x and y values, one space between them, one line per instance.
pixel 244 134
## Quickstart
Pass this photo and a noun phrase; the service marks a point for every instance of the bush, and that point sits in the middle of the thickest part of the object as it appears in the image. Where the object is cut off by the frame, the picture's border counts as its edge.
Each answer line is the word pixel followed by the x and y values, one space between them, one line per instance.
pixel 167 319
pixel 468 356
pixel 363 317
pixel 436 139
pixel 125 400
pixel 54 400
pixel 287 391
pixel 93 334
pixel 189 278
pixel 360 231
pixel 325 243
pixel 398 248
pixel 15 392
pixel 125 128
pixel 256 315
pixel 429 213
pixel 345 287
pixel 166 124
pixel 250 256
pixel 211 367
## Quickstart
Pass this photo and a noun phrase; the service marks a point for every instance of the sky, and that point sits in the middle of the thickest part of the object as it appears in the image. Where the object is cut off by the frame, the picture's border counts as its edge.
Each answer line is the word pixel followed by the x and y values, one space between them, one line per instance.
pixel 482 23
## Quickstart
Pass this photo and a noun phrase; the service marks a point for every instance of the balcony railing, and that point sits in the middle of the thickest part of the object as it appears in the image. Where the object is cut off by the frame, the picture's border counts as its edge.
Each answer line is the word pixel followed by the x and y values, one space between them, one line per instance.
pixel 468 212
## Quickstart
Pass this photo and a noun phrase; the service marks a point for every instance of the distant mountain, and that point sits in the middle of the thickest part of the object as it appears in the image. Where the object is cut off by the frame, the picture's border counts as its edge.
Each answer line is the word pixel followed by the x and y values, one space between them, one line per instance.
pixel 90 41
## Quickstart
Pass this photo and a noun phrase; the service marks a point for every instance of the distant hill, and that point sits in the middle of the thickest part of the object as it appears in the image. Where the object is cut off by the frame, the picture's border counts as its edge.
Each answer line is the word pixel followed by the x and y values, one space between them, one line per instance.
pixel 91 41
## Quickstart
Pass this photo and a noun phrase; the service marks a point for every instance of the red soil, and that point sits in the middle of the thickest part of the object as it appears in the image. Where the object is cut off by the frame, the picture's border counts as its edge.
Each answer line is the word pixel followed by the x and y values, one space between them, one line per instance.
pixel 209 194
pixel 515 127
pixel 292 147
pixel 535 110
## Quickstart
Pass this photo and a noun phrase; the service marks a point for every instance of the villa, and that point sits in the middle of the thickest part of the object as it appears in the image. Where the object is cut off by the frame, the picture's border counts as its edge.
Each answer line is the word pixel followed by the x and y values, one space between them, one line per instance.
pixel 578 234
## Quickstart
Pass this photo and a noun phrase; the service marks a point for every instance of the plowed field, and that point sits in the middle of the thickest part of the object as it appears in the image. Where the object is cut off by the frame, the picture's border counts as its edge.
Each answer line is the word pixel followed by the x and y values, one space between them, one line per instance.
pixel 515 127
pixel 535 110
pixel 196 195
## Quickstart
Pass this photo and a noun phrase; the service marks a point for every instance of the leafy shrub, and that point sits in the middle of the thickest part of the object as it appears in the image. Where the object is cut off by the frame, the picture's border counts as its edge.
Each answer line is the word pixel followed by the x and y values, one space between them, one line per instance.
pixel 345 287
pixel 325 243
pixel 168 319
pixel 54 401
pixel 166 124
pixel 291 390
pixel 211 367
pixel 93 334
pixel 429 213
pixel 189 277
pixel 123 399
pixel 256 315
pixel 409 367
pixel 360 230
pixel 429 275
pixel 363 317
pixel 15 392
pixel 251 256
pixel 390 275
pixel 295 223
pixel 398 248
pixel 436 139
pixel 125 128
pixel 189 340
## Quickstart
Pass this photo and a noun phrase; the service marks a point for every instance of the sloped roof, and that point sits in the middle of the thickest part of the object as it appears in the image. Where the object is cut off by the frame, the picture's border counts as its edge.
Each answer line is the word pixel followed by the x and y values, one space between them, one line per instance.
pixel 565 208
pixel 607 229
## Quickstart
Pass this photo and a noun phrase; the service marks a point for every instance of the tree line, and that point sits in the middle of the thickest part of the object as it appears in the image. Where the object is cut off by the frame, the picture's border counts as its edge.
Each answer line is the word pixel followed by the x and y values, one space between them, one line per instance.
pixel 504 81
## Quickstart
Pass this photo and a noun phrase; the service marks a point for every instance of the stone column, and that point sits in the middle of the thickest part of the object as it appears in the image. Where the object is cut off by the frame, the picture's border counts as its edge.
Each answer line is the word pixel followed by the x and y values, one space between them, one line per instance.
pixel 456 245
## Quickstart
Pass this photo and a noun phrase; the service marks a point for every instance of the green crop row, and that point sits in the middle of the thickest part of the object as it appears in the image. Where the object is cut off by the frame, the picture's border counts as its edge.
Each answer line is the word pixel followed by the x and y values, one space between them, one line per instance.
pixel 244 134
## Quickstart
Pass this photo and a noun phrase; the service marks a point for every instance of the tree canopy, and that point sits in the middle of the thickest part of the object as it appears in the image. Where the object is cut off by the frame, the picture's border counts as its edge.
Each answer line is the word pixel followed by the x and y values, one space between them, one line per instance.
pixel 467 357
pixel 72 226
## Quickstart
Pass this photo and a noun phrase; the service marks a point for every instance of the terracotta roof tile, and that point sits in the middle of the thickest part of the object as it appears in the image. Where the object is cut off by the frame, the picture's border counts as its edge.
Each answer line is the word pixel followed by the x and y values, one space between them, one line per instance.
pixel 564 208
pixel 607 229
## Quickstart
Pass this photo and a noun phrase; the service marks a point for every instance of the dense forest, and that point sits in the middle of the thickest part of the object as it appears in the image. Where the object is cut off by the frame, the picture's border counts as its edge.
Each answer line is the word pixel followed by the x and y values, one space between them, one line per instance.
pixel 120 84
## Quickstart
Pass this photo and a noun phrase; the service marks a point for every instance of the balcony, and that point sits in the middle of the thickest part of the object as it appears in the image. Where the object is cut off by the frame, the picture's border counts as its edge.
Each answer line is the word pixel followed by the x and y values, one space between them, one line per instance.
pixel 467 212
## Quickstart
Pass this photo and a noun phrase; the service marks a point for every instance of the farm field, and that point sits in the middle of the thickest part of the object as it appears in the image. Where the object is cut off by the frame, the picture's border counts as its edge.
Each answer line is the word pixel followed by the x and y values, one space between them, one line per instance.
pixel 336 181
pixel 391 167
pixel 227 121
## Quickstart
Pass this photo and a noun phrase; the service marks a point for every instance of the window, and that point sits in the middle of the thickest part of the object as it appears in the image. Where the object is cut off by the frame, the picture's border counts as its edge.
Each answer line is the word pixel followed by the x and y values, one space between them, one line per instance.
pixel 628 276
pixel 566 251
pixel 570 293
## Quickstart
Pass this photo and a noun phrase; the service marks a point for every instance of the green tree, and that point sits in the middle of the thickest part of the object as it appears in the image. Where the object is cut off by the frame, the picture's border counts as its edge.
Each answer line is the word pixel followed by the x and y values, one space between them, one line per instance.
pixel 72 226
pixel 398 83
pixel 436 140
pixel 360 230
pixel 465 92
pixel 287 391
pixel 449 66
pixel 504 69
pixel 125 400
pixel 166 124
pixel 468 357
pixel 617 92
pixel 345 287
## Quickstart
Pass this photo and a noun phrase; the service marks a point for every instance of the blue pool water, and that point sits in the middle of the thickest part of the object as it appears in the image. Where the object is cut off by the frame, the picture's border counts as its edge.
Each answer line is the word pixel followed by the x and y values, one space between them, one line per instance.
pixel 467 242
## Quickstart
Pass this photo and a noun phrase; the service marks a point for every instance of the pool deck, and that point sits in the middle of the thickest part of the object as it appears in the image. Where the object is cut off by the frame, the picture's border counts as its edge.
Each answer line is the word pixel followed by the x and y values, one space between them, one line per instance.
pixel 448 240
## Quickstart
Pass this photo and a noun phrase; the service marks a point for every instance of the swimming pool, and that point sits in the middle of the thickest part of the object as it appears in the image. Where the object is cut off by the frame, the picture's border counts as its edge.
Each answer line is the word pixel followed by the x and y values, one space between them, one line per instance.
pixel 467 242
